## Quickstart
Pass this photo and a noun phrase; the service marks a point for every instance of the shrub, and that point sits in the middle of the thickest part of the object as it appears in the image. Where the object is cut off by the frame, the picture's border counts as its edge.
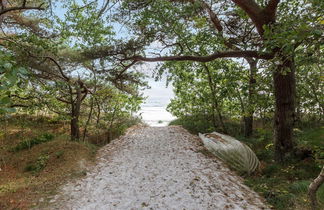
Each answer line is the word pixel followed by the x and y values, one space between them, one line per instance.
pixel 29 143
pixel 39 165
pixel 194 124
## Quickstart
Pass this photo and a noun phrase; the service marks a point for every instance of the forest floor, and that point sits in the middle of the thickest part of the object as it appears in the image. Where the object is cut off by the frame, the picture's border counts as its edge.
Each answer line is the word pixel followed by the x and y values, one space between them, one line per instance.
pixel 157 168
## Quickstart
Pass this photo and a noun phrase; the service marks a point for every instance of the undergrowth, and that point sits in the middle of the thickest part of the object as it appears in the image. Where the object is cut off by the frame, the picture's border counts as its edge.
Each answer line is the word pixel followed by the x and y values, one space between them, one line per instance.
pixel 37 156
pixel 283 185
pixel 39 165
pixel 29 143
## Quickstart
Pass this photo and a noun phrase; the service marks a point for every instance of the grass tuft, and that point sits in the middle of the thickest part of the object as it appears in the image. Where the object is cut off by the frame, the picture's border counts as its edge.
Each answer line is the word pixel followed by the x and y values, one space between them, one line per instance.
pixel 29 143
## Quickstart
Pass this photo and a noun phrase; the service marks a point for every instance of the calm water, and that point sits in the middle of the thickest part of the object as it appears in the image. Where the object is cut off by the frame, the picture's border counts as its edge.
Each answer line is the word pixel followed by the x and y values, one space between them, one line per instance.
pixel 153 111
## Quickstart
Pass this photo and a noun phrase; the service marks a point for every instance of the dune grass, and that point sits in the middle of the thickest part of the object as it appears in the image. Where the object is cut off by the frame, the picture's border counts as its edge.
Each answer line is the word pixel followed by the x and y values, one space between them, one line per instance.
pixel 37 156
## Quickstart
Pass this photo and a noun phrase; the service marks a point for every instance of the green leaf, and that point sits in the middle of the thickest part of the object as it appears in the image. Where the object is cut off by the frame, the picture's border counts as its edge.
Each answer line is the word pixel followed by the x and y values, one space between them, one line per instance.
pixel 7 66
pixel 5 100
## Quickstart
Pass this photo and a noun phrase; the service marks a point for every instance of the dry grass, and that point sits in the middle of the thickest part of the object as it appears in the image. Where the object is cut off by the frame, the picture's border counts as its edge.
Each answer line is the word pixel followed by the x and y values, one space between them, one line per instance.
pixel 20 189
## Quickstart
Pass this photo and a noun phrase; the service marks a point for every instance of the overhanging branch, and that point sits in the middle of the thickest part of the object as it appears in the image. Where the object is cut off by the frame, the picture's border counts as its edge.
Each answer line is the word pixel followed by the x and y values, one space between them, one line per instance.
pixel 229 54
pixel 19 8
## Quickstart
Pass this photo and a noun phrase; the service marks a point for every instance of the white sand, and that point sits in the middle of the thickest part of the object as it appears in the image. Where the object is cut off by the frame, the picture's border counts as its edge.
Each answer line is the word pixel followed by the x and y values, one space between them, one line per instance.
pixel 157 168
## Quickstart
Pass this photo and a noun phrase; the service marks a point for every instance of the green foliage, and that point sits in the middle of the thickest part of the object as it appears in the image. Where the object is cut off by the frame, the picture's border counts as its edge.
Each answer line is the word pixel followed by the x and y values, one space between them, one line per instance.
pixel 203 124
pixel 82 26
pixel 29 143
pixel 218 90
pixel 194 124
pixel 11 78
pixel 311 139
pixel 205 93
pixel 283 185
pixel 38 165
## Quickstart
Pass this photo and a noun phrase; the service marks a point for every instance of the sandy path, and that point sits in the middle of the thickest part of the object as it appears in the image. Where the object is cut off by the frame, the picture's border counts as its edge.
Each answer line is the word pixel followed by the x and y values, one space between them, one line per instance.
pixel 157 168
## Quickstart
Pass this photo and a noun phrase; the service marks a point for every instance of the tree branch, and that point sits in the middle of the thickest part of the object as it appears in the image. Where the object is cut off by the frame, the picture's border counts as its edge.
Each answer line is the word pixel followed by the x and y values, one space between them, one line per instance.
pixel 59 67
pixel 19 105
pixel 258 15
pixel 63 100
pixel 22 98
pixel 23 7
pixel 229 54
pixel 254 11
pixel 271 9
pixel 213 17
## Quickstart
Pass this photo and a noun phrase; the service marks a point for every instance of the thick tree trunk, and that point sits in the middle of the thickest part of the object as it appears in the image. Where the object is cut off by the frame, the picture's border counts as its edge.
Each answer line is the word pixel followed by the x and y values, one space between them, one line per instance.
pixel 248 125
pixel 285 92
pixel 248 119
pixel 313 187
pixel 75 131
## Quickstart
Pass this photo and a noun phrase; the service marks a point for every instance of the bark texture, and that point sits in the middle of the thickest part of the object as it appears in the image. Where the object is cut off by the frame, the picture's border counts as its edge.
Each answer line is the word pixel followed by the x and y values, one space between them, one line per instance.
pixel 76 106
pixel 285 91
pixel 248 119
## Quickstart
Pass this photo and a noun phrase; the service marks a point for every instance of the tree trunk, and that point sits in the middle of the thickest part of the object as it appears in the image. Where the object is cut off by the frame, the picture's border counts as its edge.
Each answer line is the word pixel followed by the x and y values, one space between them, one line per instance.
pixel 98 113
pixel 76 106
pixel 313 187
pixel 75 131
pixel 214 117
pixel 285 91
pixel 88 120
pixel 248 125
pixel 248 118
pixel 221 120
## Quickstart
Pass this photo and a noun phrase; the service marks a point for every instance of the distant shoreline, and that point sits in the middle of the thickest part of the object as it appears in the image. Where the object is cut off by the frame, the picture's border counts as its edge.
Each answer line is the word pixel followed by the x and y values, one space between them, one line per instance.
pixel 155 116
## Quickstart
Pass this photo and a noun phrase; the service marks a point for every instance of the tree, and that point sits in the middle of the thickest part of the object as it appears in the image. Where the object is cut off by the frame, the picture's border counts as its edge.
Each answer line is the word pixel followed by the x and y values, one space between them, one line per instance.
pixel 56 68
pixel 271 26
pixel 13 74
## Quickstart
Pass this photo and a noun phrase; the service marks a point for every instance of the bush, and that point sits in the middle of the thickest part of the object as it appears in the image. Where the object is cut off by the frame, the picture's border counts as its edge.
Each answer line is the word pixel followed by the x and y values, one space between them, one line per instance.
pixel 39 165
pixel 29 143
pixel 194 124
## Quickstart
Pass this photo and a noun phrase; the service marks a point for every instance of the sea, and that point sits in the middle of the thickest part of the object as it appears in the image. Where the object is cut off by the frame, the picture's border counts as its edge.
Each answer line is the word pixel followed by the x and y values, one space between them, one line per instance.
pixel 153 112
